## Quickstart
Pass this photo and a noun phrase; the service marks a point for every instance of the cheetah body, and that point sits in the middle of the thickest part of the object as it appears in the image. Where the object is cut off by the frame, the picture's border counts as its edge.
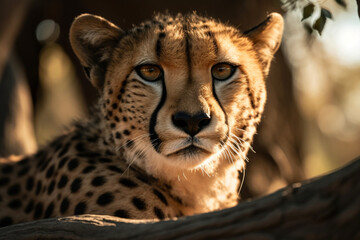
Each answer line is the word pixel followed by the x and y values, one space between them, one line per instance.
pixel 168 135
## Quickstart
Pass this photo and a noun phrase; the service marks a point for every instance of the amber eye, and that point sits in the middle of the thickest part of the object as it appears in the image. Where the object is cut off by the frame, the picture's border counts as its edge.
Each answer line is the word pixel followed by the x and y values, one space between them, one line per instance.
pixel 149 72
pixel 222 71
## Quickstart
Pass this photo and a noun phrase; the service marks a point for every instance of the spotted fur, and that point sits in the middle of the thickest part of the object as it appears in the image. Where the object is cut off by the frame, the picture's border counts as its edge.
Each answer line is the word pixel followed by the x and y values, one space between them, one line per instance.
pixel 151 149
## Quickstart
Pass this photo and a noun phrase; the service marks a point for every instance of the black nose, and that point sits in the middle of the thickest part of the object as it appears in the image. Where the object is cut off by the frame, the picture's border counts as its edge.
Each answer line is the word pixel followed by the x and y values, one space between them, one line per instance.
pixel 191 124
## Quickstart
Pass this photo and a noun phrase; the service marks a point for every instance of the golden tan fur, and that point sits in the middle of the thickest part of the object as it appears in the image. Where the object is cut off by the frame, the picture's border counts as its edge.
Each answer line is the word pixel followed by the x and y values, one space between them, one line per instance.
pixel 150 165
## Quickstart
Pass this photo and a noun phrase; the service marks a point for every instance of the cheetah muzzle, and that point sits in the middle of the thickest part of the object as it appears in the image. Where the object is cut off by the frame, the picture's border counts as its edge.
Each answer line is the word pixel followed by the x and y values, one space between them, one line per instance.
pixel 180 98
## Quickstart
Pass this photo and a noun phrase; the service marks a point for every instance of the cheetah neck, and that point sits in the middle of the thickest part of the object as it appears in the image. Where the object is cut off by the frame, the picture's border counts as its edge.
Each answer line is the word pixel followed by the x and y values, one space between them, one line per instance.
pixel 201 190
pixel 207 189
pixel 204 192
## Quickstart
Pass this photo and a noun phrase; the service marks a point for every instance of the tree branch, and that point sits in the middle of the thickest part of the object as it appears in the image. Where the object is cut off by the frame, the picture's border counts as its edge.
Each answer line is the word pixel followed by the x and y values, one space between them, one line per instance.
pixel 323 208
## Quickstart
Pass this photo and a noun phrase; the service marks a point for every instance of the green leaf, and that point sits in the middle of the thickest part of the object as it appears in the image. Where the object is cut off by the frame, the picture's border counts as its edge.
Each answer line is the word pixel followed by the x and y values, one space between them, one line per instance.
pixel 319 24
pixel 326 13
pixel 308 11
pixel 341 3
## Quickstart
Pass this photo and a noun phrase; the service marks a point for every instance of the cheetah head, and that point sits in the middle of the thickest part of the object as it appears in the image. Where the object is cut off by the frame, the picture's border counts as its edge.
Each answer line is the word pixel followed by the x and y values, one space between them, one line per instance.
pixel 180 92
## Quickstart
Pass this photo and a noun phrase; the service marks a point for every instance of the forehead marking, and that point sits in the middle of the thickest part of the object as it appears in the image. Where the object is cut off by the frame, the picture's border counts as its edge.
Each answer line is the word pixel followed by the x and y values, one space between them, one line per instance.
pixel 158 44
pixel 185 28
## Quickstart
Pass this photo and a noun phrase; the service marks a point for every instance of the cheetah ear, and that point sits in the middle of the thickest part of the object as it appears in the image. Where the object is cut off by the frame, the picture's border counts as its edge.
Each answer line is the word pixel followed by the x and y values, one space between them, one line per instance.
pixel 267 38
pixel 93 39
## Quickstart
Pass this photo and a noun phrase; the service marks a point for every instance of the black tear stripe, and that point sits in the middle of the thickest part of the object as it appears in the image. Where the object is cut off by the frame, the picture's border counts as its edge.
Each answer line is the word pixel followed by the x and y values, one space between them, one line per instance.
pixel 222 108
pixel 154 138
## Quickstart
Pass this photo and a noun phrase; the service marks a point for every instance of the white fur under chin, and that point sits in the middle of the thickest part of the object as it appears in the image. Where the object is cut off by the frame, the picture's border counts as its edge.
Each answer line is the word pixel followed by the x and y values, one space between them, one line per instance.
pixel 205 187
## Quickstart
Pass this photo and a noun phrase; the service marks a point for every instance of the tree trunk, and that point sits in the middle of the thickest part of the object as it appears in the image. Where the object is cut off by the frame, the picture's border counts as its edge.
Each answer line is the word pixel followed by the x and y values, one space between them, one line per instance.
pixel 322 208
pixel 16 129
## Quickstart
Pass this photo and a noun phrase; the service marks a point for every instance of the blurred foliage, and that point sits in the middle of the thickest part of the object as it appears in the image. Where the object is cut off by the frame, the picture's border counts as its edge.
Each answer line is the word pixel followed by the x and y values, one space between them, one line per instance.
pixel 309 9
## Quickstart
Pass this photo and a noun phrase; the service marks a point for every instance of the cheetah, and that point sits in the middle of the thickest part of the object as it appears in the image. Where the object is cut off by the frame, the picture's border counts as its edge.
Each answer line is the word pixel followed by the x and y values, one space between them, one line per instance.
pixel 180 99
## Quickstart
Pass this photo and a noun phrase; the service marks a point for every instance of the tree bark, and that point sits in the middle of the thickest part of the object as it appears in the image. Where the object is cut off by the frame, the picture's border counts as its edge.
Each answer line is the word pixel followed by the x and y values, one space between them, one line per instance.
pixel 323 208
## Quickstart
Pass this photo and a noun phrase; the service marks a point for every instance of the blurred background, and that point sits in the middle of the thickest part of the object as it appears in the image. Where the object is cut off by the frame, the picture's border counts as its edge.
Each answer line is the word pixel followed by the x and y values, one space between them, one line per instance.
pixel 311 124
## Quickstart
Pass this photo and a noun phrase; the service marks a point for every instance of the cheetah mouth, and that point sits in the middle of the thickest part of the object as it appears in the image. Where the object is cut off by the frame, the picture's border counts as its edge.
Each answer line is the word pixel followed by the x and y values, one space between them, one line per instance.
pixel 189 151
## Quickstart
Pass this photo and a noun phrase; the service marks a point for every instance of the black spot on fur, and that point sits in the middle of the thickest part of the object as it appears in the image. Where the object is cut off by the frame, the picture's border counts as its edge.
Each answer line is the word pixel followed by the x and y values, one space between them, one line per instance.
pixel 160 196
pixel 98 181
pixel 63 181
pixel 76 185
pixel 116 118
pixel 50 171
pixel 7 169
pixel 29 183
pixel 49 210
pixel 105 160
pixel 122 213
pixel 80 147
pixel 80 208
pixel 64 150
pixel 29 207
pixel 74 163
pixel 64 205
pixel 139 203
pixel 159 213
pixel 23 171
pixel 126 132
pixel 105 199
pixel 117 135
pixel 109 153
pixel 15 204
pixel 4 181
pixel 88 169
pixel 62 162
pixel 162 35
pixel 112 125
pixel 51 187
pixel 115 169
pixel 14 189
pixel 89 154
pixel 38 187
pixel 24 161
pixel 6 221
pixel 114 106
pixel 128 183
pixel 91 161
pixel 38 210
pixel 92 139
pixel 89 194
pixel 143 178
pixel 45 163
pixel 129 143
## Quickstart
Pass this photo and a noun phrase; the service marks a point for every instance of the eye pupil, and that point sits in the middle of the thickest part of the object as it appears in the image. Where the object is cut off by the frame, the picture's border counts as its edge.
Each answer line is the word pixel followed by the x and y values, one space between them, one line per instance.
pixel 149 72
pixel 222 71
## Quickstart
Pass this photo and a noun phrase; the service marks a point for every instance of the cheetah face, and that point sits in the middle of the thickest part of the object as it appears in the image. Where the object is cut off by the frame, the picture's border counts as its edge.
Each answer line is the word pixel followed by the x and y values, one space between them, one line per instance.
pixel 178 92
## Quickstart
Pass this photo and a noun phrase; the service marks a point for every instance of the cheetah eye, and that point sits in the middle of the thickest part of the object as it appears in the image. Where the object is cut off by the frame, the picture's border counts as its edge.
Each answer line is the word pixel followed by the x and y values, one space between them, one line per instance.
pixel 149 72
pixel 222 71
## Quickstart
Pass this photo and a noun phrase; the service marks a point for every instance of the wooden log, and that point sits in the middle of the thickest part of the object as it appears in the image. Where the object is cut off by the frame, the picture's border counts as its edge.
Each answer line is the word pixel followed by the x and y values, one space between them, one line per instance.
pixel 327 207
